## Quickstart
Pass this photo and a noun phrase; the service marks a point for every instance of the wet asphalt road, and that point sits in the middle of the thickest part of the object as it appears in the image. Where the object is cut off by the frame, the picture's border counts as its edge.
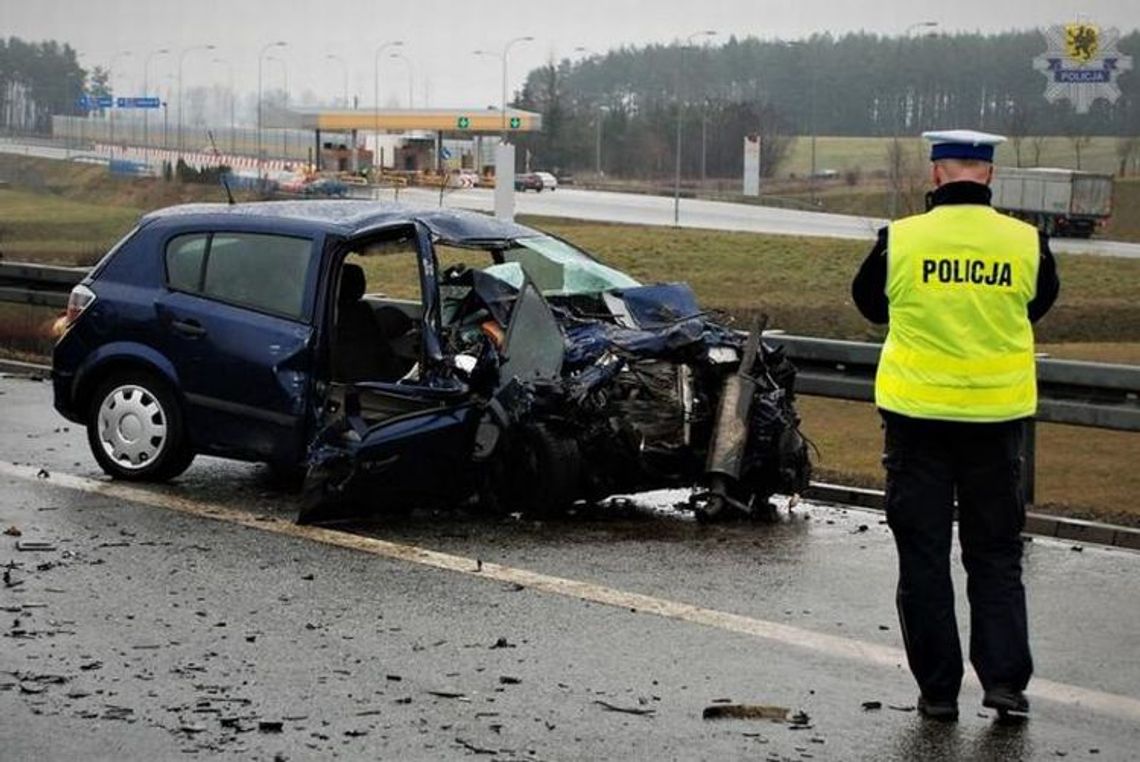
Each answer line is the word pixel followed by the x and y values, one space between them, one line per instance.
pixel 152 634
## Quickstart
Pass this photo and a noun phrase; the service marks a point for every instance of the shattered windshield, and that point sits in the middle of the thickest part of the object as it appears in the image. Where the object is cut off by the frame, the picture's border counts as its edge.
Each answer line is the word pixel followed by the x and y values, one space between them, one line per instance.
pixel 557 268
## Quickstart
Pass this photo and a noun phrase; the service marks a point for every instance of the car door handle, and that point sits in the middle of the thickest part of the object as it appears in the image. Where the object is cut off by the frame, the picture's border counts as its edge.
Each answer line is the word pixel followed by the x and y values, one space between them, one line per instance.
pixel 190 327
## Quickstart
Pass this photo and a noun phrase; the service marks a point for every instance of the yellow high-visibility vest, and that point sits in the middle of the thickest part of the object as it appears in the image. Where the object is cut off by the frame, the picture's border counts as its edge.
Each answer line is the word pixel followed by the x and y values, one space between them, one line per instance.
pixel 959 346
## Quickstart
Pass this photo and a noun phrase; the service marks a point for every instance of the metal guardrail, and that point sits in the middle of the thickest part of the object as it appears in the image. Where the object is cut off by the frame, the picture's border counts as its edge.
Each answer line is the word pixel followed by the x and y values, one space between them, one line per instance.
pixel 42 285
pixel 1099 395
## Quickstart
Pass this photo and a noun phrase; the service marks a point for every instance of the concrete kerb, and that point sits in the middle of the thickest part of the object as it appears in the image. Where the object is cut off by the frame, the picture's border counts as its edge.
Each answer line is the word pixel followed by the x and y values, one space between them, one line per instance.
pixel 1040 524
pixel 1076 530
pixel 28 369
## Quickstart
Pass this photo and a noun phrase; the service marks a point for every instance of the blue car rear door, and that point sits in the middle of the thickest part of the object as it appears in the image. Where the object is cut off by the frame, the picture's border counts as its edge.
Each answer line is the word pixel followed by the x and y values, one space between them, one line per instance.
pixel 235 321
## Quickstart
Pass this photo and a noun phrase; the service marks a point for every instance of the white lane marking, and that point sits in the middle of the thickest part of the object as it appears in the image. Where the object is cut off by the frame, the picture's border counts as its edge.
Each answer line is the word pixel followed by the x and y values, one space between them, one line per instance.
pixel 1124 707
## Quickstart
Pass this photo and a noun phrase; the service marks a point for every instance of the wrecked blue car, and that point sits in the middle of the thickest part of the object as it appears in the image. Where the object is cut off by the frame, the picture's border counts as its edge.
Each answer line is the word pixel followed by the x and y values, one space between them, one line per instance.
pixel 390 358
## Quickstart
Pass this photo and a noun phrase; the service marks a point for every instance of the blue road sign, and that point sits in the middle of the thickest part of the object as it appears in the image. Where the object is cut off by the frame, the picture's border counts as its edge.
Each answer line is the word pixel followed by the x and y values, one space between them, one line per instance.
pixel 139 102
pixel 445 153
pixel 95 101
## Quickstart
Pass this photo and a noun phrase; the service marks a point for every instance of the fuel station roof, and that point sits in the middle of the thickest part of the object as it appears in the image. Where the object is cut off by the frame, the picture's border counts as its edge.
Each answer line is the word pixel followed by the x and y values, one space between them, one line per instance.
pixel 473 120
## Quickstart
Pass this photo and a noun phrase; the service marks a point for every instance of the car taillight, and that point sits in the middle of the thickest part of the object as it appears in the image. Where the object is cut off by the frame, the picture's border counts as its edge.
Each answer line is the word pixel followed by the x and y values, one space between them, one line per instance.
pixel 78 301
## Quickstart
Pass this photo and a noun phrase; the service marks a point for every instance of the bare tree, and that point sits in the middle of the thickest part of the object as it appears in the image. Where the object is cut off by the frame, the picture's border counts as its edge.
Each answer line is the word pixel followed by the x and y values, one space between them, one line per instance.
pixel 896 159
pixel 1017 127
pixel 1079 140
pixel 1127 147
pixel 1037 143
pixel 914 178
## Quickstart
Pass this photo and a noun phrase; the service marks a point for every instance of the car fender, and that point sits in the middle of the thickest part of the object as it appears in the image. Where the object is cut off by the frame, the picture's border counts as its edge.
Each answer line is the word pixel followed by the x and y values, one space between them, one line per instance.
pixel 121 354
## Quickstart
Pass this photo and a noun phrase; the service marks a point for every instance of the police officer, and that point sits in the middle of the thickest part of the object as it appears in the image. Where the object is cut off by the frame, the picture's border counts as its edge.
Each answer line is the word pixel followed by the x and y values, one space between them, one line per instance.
pixel 959 287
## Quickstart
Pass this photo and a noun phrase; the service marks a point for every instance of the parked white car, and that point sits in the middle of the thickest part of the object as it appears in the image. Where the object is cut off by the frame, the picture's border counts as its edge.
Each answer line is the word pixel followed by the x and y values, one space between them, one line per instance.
pixel 549 181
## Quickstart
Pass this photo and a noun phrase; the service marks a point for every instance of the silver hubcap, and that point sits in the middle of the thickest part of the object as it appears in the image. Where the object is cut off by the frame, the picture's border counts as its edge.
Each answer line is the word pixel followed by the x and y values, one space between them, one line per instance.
pixel 132 427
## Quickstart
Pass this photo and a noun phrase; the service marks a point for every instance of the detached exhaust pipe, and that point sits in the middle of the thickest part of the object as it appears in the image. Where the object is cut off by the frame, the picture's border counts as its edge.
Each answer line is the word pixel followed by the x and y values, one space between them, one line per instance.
pixel 730 436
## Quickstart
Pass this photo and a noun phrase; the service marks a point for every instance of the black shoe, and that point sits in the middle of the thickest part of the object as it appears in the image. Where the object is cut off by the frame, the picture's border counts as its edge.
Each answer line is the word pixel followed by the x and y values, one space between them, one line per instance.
pixel 945 711
pixel 1006 700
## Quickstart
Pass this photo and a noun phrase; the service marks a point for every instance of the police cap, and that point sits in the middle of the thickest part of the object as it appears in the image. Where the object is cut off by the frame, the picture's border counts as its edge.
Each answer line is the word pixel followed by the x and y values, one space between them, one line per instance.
pixel 962 144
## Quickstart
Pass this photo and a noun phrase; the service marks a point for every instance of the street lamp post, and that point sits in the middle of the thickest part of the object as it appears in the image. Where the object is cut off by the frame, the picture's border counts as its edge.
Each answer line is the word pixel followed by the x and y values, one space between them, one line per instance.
pixel 233 124
pixel 677 168
pixel 503 96
pixel 802 47
pixel 181 59
pixel 503 99
pixel 260 59
pixel 598 143
pixel 111 82
pixel 896 157
pixel 704 141
pixel 146 92
pixel 351 139
pixel 411 78
pixel 376 98
pixel 344 79
pixel 285 100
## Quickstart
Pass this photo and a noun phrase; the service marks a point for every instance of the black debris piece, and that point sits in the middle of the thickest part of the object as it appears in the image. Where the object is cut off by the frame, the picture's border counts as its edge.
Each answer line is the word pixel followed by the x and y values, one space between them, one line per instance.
pixel 870 706
pixel 474 748
pixel 800 718
pixel 270 726
pixel 34 545
pixel 635 710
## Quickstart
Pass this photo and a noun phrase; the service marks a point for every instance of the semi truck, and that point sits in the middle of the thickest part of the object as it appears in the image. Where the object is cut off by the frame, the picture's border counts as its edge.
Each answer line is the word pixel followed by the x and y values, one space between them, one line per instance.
pixel 1060 202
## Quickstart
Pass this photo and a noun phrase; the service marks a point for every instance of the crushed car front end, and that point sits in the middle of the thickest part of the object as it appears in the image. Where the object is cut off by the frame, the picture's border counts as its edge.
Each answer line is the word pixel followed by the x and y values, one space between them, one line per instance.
pixel 564 379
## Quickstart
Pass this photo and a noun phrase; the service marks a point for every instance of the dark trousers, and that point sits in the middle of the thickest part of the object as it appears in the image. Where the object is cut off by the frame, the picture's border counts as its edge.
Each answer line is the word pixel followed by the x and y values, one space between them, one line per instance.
pixel 927 463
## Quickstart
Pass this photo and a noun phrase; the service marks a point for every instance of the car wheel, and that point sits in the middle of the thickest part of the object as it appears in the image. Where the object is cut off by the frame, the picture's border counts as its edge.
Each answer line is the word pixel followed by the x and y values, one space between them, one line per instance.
pixel 539 475
pixel 135 429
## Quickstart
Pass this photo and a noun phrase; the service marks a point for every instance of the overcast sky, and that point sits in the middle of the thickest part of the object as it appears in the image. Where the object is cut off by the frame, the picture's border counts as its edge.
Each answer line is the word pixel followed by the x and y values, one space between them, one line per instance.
pixel 440 35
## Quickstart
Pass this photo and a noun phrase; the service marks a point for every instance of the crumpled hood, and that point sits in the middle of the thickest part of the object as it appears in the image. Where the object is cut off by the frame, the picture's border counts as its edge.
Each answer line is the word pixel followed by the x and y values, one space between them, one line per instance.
pixel 657 321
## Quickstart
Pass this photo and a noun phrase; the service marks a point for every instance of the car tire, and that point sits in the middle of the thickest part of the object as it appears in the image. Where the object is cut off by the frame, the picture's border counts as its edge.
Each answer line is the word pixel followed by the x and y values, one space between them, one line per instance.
pixel 288 477
pixel 539 475
pixel 135 429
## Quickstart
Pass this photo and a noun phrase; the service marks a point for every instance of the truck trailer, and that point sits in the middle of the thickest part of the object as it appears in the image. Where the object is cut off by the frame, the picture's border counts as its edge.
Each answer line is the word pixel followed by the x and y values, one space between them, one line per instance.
pixel 1061 202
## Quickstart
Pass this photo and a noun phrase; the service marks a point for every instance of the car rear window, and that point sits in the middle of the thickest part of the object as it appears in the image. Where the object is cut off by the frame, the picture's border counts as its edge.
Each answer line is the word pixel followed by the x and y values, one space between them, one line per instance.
pixel 264 272
pixel 185 256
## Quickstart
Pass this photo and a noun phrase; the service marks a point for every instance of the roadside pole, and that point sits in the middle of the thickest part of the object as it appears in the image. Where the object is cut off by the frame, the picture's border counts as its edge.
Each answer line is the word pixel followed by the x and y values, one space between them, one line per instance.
pixel 505 182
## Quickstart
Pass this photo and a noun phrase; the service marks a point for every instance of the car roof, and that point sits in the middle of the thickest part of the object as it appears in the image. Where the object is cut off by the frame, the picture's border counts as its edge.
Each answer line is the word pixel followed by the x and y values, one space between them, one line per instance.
pixel 346 218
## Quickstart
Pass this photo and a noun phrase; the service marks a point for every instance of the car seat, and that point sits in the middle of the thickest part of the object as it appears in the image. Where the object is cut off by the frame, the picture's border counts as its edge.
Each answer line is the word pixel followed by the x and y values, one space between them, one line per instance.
pixel 360 350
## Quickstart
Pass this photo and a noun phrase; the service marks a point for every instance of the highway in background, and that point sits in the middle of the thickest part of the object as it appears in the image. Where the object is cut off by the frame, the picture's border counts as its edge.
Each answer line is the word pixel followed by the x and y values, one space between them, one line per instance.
pixel 640 209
